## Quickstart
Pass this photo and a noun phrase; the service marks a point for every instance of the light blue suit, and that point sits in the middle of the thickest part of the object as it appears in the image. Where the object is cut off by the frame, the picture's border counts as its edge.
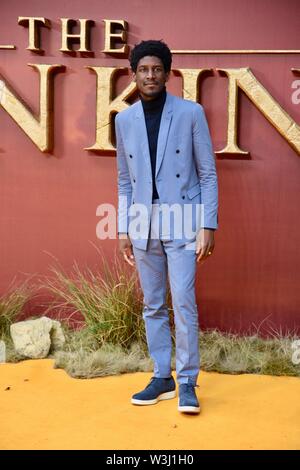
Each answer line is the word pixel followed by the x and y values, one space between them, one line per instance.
pixel 185 175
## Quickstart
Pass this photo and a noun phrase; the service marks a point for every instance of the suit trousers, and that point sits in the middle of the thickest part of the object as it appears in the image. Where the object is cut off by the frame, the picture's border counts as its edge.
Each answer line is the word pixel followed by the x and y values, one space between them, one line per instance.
pixel 173 260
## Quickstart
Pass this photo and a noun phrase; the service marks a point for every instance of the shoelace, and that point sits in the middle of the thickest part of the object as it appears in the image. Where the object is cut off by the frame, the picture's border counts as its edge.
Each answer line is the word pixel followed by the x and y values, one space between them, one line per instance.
pixel 152 380
pixel 188 388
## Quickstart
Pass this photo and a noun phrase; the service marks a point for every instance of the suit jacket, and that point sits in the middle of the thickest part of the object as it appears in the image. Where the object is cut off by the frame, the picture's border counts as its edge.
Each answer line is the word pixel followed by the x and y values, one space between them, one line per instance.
pixel 185 166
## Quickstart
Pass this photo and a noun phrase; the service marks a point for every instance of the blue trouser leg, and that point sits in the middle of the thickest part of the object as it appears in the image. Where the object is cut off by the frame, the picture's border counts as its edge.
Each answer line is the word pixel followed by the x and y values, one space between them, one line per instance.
pixel 152 265
pixel 182 270
pixel 152 270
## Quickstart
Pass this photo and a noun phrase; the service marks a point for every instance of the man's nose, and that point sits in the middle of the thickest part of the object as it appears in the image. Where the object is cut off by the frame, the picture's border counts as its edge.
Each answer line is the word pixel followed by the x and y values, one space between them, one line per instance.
pixel 150 73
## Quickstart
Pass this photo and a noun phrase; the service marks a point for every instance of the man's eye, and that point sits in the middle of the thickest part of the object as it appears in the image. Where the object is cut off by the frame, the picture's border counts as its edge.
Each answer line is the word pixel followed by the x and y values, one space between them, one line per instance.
pixel 156 69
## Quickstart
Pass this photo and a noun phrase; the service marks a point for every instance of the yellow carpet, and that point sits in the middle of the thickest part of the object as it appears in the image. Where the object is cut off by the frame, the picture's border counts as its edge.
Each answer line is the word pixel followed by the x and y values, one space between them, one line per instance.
pixel 44 408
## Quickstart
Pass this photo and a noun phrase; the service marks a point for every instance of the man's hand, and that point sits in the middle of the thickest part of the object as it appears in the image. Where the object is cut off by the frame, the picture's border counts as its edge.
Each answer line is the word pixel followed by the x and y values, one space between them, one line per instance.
pixel 205 244
pixel 125 248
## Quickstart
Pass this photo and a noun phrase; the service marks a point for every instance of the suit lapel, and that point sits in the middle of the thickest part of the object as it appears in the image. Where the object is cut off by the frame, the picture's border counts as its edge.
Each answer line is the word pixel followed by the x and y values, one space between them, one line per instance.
pixel 142 135
pixel 166 118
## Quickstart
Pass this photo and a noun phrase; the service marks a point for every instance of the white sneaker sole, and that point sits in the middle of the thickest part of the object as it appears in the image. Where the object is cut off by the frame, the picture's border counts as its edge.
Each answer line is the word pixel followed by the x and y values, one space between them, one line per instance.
pixel 189 409
pixel 163 396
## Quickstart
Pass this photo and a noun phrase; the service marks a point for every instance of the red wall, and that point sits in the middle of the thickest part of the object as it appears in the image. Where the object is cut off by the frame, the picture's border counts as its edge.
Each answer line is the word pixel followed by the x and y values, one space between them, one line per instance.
pixel 48 201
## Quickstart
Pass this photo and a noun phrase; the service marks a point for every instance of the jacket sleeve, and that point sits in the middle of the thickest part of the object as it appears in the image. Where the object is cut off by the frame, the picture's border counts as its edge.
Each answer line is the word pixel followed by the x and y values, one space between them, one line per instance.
pixel 124 182
pixel 206 169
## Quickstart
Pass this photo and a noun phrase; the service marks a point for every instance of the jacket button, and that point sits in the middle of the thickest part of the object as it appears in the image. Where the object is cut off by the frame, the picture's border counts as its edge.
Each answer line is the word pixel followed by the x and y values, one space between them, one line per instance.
pixel 177 176
pixel 177 151
pixel 134 180
pixel 183 197
pixel 130 156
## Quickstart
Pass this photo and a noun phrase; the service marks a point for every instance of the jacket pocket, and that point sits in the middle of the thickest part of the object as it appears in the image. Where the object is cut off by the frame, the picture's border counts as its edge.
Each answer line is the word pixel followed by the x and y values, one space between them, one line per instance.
pixel 194 191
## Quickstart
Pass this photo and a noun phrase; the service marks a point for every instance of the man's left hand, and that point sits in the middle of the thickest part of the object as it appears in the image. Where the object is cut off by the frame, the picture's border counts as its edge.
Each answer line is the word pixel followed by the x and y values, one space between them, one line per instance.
pixel 205 243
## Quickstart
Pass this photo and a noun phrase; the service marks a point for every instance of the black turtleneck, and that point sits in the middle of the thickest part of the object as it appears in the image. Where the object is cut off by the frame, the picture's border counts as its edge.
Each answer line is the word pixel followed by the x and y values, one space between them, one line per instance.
pixel 153 111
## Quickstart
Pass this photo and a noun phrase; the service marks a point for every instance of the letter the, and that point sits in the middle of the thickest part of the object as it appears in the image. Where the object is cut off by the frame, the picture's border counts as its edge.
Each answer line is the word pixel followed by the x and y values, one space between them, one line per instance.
pixel 110 36
pixel 83 36
pixel 34 24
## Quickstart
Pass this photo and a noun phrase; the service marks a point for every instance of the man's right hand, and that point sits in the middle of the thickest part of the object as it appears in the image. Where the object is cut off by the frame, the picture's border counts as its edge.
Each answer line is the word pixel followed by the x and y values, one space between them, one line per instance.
pixel 125 248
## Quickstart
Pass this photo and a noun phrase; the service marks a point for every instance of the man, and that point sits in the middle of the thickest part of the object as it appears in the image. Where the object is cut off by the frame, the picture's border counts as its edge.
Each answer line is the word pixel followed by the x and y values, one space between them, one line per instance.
pixel 165 159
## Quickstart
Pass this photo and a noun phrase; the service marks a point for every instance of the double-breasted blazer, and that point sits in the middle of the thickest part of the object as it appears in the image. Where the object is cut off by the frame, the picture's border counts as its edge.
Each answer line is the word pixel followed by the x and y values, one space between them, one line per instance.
pixel 185 165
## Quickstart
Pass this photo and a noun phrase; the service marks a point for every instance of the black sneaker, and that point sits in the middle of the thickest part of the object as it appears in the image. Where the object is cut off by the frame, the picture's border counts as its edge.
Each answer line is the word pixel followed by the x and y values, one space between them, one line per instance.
pixel 157 389
pixel 188 401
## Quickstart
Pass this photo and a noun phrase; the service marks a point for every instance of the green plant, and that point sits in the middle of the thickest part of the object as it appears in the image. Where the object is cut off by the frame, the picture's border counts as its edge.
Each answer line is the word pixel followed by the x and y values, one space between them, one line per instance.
pixel 220 352
pixel 11 305
pixel 110 302
pixel 236 354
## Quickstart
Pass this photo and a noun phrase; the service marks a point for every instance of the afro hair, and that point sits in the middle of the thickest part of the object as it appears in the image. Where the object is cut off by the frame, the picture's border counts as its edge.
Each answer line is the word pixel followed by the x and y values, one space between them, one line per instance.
pixel 151 48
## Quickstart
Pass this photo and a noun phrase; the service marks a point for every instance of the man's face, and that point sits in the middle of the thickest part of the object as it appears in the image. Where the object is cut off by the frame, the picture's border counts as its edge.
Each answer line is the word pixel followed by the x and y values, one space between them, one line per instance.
pixel 150 77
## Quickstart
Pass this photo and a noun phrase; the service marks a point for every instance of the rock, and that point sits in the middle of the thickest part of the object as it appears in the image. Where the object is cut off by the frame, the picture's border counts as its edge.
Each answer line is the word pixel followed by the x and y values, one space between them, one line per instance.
pixel 57 336
pixel 34 338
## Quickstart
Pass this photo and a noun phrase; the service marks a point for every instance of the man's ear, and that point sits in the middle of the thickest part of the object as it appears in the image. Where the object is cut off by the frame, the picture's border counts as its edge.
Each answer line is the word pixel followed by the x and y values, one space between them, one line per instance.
pixel 133 77
pixel 167 76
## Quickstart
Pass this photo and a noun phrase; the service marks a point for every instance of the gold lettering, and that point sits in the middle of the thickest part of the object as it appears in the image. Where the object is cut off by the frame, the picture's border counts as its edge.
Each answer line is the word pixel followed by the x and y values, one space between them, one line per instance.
pixel 106 106
pixel 34 31
pixel 39 130
pixel 110 36
pixel 83 36
pixel 190 80
pixel 264 101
